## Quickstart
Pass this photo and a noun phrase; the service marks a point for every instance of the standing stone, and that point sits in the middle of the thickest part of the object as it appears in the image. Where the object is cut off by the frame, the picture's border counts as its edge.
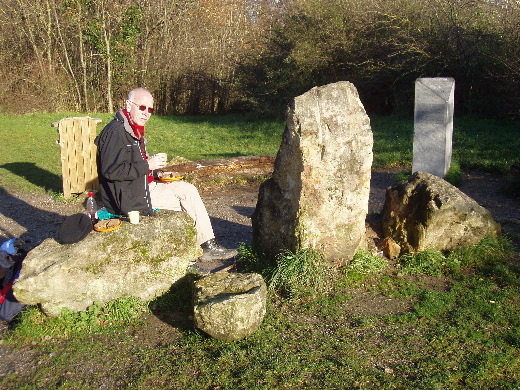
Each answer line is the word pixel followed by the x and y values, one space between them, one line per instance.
pixel 433 125
pixel 317 197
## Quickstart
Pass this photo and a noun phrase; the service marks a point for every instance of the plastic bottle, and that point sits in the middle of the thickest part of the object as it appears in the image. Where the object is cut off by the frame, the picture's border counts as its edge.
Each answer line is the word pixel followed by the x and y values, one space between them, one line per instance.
pixel 91 206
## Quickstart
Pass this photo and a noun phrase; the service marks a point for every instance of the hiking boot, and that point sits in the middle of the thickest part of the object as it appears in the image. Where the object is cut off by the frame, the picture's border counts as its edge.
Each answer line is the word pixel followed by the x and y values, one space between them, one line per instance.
pixel 213 251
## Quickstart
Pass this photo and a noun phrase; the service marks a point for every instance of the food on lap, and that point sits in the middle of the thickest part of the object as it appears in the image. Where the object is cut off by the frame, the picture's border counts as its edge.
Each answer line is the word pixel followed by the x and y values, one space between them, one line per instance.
pixel 169 176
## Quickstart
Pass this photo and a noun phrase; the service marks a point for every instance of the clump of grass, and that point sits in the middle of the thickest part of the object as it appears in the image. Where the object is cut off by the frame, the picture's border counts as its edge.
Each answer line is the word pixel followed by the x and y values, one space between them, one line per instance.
pixel 428 262
pixel 490 250
pixel 299 274
pixel 32 324
pixel 365 263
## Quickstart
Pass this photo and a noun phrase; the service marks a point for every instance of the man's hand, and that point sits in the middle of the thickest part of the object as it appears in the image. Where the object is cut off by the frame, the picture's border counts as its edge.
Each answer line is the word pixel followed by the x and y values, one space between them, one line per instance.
pixel 157 161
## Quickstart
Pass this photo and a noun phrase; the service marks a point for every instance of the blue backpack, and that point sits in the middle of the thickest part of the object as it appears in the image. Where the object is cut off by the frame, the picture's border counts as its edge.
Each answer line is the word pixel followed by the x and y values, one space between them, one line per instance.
pixel 11 257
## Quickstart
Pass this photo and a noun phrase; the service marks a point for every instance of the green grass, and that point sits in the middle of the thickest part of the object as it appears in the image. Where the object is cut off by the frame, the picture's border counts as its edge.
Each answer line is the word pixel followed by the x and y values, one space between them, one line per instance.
pixel 409 332
pixel 393 142
pixel 464 337
pixel 30 158
pixel 453 176
pixel 197 138
pixel 489 251
pixel 487 144
pixel 112 317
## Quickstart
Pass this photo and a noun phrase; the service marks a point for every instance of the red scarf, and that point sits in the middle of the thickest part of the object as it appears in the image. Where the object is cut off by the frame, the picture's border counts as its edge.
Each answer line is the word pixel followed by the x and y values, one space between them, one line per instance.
pixel 139 133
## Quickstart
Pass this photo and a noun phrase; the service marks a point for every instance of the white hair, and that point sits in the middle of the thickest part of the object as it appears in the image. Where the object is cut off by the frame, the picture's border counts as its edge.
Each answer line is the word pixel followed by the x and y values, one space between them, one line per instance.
pixel 136 91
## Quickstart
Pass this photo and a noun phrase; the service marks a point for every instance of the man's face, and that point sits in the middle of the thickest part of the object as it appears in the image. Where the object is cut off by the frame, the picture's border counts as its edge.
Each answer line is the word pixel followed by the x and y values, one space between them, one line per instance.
pixel 139 108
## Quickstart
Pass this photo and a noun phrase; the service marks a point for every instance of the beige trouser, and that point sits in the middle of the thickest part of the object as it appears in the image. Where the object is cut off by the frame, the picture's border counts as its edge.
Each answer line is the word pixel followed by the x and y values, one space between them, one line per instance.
pixel 183 196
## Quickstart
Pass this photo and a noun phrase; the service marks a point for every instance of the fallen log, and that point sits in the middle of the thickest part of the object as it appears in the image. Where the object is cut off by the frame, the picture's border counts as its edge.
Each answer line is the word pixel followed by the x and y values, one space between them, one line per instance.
pixel 235 166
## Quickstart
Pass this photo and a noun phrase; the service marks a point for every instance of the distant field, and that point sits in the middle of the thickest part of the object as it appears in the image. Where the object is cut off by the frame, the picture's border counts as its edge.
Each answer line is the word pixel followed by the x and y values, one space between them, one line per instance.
pixel 30 157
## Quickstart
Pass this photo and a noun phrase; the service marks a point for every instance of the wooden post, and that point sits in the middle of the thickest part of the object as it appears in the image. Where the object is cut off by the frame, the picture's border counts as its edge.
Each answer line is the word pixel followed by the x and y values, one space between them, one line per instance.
pixel 78 154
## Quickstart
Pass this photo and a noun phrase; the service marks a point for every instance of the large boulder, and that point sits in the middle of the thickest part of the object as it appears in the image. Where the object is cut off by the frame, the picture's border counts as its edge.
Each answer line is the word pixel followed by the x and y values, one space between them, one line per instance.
pixel 229 306
pixel 141 260
pixel 427 212
pixel 317 197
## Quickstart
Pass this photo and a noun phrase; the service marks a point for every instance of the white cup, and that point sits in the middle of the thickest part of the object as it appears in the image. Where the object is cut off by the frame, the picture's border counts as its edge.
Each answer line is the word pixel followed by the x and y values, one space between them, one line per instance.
pixel 134 217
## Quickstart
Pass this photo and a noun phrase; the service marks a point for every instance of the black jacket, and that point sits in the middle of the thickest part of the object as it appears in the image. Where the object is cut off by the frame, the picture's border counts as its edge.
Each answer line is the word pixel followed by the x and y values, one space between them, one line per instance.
pixel 122 169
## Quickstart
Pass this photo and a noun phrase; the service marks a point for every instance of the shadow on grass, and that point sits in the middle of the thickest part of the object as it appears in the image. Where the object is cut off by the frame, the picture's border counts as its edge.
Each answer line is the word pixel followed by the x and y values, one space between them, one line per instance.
pixel 36 175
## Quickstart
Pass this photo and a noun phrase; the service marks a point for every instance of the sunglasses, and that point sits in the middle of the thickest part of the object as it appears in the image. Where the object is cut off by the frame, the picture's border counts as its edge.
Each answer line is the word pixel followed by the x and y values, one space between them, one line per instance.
pixel 143 108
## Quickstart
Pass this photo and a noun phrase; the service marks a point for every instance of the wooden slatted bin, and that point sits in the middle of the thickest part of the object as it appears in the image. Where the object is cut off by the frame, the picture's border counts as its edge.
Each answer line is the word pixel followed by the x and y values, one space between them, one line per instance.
pixel 78 154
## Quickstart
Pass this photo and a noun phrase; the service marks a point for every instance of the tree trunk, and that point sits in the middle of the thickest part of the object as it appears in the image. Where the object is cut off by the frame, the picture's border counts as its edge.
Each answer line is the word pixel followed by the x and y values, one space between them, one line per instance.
pixel 108 60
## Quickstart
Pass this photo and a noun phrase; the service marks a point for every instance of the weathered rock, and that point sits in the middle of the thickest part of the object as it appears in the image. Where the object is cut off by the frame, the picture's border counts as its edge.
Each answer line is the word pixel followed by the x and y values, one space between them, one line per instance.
pixel 229 306
pixel 141 260
pixel 427 212
pixel 317 197
pixel 390 248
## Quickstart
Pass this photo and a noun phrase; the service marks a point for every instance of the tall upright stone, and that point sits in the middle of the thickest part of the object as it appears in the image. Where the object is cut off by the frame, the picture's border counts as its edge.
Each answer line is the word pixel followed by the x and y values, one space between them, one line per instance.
pixel 433 125
pixel 317 197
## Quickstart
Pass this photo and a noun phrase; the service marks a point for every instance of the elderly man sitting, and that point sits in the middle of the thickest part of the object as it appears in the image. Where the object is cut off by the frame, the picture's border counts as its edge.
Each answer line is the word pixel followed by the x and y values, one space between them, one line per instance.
pixel 126 174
